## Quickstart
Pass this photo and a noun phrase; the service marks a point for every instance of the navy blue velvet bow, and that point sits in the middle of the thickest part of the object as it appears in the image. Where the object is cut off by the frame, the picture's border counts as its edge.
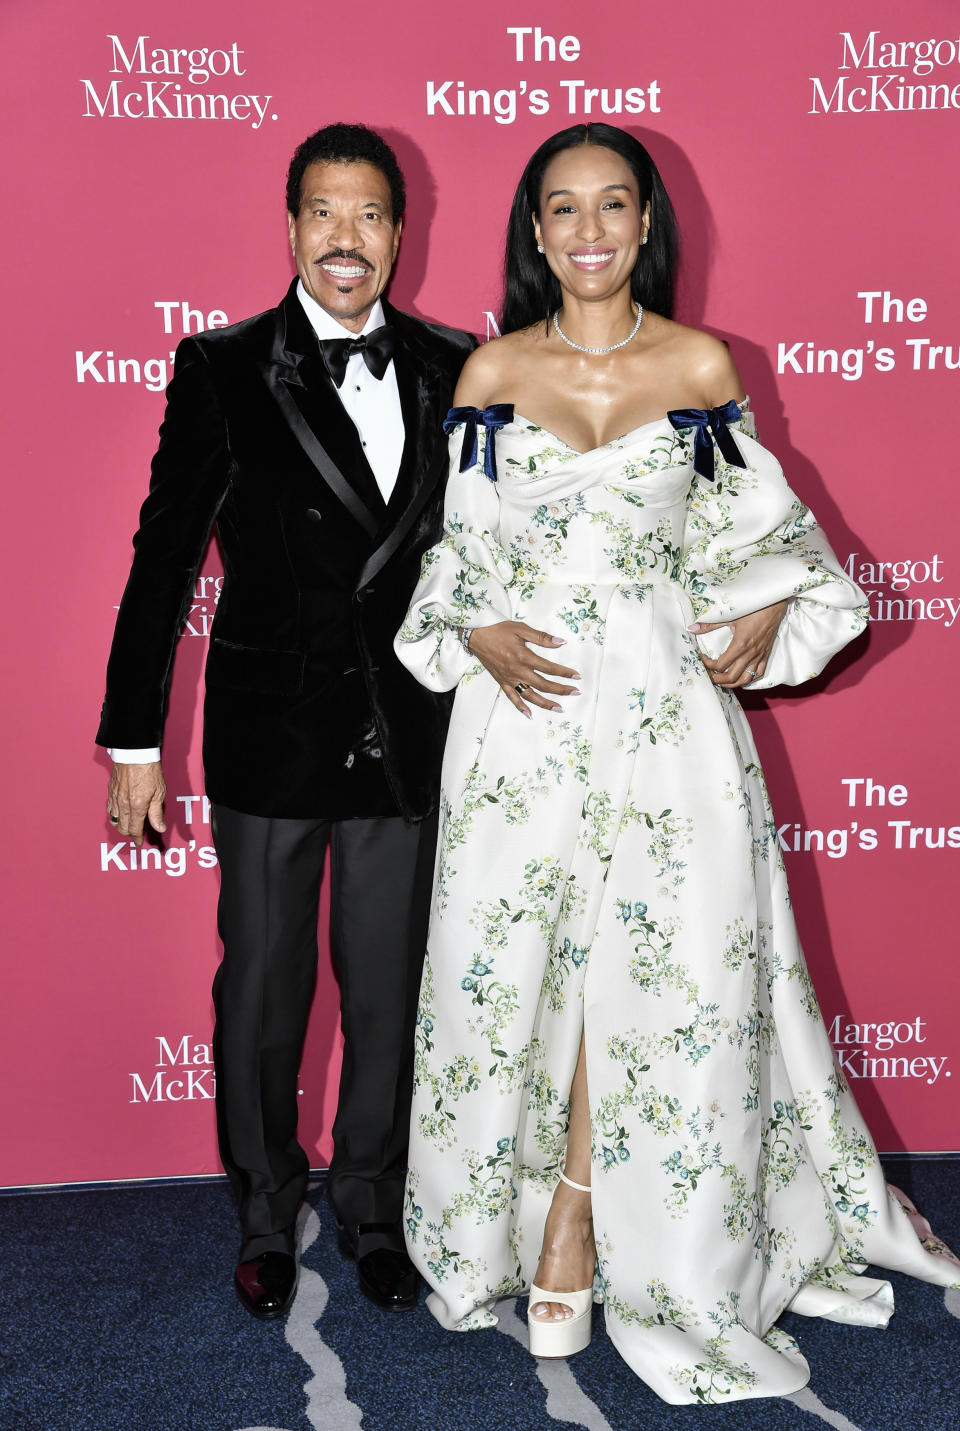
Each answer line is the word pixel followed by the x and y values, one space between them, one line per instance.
pixel 492 418
pixel 715 422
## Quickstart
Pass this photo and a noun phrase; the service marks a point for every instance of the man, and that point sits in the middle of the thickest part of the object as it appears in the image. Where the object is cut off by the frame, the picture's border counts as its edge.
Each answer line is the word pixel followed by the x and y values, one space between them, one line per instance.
pixel 311 436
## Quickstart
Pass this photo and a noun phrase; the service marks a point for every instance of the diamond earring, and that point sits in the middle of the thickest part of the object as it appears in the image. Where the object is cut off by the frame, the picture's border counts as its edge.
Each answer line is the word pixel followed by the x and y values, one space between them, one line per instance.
pixel 644 239
pixel 539 248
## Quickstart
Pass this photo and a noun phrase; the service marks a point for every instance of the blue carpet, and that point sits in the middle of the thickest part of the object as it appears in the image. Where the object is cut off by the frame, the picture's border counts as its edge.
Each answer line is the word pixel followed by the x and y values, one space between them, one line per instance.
pixel 119 1317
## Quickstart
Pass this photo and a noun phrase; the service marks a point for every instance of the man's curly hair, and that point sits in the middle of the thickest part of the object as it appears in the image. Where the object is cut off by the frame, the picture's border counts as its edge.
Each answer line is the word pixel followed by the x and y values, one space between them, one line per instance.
pixel 347 144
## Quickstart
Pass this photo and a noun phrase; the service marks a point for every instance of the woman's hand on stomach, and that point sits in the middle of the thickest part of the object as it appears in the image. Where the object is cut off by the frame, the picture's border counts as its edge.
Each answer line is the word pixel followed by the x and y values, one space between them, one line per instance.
pixel 521 674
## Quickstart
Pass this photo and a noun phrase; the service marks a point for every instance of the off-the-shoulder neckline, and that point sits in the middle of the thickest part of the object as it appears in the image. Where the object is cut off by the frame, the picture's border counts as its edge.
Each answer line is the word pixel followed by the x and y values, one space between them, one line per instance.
pixel 632 432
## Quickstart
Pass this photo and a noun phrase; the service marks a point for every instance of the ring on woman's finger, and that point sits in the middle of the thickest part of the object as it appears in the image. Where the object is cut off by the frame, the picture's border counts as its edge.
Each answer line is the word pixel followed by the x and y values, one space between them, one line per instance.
pixel 520 688
pixel 114 819
pixel 750 671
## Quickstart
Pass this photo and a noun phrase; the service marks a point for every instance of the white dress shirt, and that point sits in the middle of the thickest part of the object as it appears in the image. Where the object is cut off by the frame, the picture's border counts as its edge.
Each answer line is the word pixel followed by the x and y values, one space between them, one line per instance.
pixel 373 406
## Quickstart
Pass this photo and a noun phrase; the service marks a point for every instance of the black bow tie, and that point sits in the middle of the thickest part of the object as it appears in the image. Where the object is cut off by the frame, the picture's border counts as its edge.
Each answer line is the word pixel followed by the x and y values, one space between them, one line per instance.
pixel 377 350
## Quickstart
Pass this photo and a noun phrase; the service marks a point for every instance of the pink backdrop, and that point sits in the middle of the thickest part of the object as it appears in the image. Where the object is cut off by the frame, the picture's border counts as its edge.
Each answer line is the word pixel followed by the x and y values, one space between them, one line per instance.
pixel 807 169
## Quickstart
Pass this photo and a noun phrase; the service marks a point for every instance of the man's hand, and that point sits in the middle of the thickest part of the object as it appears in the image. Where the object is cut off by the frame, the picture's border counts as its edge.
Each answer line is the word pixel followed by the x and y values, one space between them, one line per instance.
pixel 519 673
pixel 136 793
pixel 745 659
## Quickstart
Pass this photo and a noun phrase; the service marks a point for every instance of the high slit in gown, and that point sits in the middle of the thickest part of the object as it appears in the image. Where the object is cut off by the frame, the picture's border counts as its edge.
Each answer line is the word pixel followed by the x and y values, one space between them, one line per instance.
pixel 613 869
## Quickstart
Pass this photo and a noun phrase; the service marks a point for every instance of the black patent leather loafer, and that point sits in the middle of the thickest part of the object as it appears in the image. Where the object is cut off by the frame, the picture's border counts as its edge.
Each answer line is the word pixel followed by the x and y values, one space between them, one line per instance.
pixel 385 1274
pixel 267 1285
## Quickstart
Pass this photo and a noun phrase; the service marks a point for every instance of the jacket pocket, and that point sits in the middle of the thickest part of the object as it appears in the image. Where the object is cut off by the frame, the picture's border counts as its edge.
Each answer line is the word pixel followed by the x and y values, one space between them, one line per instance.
pixel 254 668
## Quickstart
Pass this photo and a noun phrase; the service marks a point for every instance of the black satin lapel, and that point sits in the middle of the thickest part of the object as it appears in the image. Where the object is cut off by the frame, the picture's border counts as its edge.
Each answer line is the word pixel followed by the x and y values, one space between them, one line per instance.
pixel 411 406
pixel 282 379
pixel 419 473
pixel 324 411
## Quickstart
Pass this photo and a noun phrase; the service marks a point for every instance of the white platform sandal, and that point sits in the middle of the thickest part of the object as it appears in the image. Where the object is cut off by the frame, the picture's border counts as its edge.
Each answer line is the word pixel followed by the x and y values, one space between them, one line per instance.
pixel 560 1339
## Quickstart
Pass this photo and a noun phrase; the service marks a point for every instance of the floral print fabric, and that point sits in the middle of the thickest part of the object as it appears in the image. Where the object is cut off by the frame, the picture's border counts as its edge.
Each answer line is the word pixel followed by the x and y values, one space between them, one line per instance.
pixel 613 869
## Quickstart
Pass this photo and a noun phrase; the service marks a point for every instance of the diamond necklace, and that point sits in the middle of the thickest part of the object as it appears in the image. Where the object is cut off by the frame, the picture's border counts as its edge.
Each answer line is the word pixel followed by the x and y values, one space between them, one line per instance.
pixel 613 346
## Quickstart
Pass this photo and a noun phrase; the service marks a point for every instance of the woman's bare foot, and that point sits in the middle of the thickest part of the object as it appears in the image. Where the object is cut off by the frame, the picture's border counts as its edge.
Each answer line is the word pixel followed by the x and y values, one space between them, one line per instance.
pixel 568 1256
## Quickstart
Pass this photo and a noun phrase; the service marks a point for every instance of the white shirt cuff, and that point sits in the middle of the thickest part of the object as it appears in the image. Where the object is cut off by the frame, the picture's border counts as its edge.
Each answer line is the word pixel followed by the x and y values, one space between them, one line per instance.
pixel 133 757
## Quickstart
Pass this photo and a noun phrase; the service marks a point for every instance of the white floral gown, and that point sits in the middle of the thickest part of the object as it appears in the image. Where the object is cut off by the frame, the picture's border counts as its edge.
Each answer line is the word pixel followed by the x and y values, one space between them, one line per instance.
pixel 614 869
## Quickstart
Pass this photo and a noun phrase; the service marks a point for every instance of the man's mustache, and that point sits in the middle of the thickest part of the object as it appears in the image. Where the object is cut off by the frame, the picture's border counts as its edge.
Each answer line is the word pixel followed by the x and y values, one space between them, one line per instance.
pixel 344 253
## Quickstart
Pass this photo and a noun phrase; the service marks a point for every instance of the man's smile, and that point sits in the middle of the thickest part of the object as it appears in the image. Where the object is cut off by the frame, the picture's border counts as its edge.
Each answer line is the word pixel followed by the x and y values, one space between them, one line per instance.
pixel 337 268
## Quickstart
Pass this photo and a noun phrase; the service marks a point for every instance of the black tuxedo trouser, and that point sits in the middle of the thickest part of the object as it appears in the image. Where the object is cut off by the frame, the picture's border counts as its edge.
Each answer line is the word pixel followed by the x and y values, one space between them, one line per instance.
pixel 381 874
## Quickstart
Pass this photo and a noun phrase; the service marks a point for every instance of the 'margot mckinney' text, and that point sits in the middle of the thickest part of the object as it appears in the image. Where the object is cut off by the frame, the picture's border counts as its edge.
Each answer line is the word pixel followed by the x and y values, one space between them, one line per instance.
pixel 879 578
pixel 887 88
pixel 867 1050
pixel 175 87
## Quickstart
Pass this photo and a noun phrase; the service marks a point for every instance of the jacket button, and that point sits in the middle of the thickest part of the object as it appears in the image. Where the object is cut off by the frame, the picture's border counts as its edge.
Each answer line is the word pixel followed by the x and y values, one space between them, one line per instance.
pixel 313 515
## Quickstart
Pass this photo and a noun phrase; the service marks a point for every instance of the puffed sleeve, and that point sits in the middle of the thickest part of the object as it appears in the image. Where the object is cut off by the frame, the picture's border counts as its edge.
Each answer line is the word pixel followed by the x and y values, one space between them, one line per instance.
pixel 750 542
pixel 463 578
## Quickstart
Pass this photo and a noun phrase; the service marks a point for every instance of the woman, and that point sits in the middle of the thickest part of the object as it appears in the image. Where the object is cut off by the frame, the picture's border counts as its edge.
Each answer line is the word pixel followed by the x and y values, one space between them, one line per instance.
pixel 620 1059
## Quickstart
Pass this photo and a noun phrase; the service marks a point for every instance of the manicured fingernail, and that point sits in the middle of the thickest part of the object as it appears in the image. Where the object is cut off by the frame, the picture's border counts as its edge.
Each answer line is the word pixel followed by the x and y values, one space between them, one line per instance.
pixel 556 708
pixel 558 640
pixel 695 627
pixel 575 676
pixel 528 714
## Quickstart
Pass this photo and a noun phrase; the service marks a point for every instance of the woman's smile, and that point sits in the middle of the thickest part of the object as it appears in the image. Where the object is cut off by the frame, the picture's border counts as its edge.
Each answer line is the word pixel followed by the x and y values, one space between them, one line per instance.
pixel 592 260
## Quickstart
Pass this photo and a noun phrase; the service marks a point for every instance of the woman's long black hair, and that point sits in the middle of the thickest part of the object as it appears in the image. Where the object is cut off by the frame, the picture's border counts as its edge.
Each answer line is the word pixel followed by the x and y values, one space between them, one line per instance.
pixel 531 292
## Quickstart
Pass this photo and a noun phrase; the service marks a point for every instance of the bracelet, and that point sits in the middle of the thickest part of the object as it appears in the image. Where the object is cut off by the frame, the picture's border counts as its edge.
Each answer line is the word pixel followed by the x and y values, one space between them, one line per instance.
pixel 463 636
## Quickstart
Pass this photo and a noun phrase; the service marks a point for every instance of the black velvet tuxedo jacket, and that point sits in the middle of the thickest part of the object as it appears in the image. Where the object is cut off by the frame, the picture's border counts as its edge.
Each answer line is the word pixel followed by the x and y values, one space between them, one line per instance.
pixel 308 713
